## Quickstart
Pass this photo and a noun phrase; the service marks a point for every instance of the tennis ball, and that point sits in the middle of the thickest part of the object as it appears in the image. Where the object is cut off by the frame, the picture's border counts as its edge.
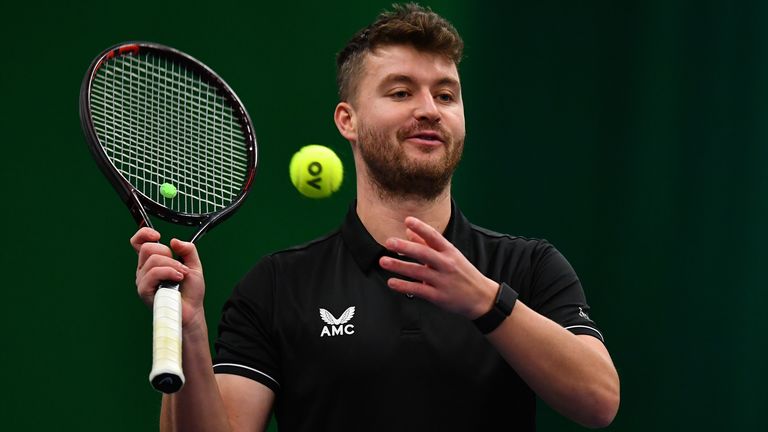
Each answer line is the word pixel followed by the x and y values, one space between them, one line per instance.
pixel 316 171
pixel 168 190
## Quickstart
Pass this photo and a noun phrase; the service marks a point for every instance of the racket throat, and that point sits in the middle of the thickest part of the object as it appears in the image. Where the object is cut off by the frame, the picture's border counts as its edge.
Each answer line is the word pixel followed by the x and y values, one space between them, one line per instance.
pixel 137 211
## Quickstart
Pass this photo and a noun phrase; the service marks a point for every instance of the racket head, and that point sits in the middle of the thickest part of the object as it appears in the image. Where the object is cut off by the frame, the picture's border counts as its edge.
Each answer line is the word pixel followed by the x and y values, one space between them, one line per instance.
pixel 152 115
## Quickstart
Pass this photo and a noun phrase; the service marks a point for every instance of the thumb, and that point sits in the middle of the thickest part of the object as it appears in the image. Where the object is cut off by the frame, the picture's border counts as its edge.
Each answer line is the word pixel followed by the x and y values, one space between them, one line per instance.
pixel 188 253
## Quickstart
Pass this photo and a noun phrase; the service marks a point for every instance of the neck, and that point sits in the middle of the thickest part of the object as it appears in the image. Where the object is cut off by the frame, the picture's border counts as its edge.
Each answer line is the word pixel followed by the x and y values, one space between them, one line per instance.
pixel 384 216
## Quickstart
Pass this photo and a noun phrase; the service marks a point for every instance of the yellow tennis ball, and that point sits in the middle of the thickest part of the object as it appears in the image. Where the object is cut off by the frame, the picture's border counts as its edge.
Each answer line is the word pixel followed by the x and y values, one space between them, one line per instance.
pixel 168 190
pixel 316 171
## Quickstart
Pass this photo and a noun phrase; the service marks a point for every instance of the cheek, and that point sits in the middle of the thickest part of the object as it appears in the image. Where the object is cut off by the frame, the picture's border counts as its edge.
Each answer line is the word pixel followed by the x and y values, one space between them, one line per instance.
pixel 384 120
pixel 456 126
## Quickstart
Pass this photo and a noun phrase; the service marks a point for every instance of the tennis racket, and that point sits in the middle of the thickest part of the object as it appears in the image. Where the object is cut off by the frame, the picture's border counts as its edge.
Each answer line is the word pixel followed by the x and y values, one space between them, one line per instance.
pixel 175 142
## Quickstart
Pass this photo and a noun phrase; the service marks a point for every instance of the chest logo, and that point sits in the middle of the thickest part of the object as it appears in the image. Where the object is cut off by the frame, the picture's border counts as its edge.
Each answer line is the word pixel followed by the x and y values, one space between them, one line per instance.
pixel 337 326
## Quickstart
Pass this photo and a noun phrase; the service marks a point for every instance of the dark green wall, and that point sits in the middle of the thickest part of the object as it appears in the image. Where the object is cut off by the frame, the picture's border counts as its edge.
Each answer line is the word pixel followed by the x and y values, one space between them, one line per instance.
pixel 630 134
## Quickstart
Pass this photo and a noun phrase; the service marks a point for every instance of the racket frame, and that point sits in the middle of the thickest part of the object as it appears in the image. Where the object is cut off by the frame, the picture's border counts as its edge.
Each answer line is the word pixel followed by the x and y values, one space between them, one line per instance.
pixel 138 203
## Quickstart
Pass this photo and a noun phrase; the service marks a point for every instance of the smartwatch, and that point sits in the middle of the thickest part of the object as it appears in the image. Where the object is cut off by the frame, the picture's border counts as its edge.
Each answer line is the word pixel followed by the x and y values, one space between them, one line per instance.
pixel 502 307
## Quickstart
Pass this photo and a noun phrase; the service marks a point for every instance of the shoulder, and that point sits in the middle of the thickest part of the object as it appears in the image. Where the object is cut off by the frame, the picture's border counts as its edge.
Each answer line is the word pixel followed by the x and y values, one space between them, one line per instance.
pixel 490 239
pixel 302 256
pixel 311 250
pixel 268 270
pixel 506 255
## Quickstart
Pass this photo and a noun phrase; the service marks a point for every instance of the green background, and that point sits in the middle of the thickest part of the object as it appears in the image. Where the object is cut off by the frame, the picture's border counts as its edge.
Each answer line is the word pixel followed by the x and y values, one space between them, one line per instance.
pixel 631 134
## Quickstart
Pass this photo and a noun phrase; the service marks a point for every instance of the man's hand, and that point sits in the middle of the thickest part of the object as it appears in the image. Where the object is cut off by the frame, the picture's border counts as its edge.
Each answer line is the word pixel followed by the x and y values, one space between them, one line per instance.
pixel 156 264
pixel 447 278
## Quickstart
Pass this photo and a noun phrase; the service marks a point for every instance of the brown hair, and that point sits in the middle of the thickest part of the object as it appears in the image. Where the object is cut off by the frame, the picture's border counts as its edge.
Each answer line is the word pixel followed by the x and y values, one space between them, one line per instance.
pixel 406 24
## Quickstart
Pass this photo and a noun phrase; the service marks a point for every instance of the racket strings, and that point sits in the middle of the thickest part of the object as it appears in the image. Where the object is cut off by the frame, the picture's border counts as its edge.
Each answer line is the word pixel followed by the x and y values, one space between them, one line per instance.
pixel 159 122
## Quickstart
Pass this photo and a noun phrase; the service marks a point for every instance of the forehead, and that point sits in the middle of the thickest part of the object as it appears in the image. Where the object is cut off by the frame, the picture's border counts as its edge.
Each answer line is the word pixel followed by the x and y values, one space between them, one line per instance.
pixel 405 60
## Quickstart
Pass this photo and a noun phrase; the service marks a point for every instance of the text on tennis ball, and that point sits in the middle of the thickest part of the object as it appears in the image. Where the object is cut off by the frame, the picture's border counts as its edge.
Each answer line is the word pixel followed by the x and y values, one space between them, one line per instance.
pixel 314 169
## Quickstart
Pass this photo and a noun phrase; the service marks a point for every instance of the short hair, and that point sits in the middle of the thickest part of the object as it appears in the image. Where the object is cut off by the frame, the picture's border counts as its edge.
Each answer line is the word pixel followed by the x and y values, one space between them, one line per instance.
pixel 406 24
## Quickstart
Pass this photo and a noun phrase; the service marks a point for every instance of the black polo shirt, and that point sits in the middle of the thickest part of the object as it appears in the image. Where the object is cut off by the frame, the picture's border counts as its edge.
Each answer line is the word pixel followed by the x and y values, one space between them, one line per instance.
pixel 318 325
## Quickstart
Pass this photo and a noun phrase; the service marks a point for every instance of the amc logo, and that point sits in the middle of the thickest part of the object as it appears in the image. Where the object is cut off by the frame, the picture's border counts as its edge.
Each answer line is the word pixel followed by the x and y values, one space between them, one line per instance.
pixel 338 326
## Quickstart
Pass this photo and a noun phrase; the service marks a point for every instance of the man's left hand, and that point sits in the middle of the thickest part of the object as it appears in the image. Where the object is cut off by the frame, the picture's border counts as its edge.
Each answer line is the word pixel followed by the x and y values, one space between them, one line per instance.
pixel 447 278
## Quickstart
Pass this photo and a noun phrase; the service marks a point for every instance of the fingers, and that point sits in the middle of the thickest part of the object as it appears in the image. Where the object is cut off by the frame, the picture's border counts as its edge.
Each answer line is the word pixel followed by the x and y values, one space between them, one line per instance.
pixel 412 236
pixel 188 253
pixel 158 267
pixel 155 264
pixel 155 275
pixel 424 244
pixel 425 254
pixel 185 250
pixel 158 260
pixel 430 235
pixel 142 236
pixel 147 282
pixel 150 249
pixel 418 289
pixel 412 270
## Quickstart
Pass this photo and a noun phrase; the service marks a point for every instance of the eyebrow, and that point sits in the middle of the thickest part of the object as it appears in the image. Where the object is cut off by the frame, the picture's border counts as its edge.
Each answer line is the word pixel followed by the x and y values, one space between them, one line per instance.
pixel 405 79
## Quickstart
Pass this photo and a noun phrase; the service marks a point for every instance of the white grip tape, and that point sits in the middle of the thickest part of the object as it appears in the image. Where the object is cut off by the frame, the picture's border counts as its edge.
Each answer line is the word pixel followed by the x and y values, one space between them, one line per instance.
pixel 166 334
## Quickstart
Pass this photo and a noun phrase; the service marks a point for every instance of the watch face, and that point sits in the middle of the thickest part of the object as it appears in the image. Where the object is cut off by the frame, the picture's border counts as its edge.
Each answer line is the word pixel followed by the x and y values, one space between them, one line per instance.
pixel 506 300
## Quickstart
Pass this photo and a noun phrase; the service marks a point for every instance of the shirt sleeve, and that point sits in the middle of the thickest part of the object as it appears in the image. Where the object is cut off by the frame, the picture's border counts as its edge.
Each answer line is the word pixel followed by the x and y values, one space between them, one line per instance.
pixel 245 344
pixel 557 292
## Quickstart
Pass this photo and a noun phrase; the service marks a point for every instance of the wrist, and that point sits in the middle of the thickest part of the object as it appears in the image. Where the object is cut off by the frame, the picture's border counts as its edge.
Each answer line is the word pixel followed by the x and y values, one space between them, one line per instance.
pixel 196 327
pixel 503 304
pixel 486 300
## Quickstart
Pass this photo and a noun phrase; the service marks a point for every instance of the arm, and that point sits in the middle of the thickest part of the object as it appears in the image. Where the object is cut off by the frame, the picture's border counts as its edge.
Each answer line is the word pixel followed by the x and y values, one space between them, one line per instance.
pixel 574 374
pixel 206 402
pixel 211 402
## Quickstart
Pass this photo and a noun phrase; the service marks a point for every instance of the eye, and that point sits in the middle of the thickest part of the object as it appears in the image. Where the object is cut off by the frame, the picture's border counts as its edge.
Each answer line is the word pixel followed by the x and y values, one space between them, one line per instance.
pixel 399 95
pixel 445 97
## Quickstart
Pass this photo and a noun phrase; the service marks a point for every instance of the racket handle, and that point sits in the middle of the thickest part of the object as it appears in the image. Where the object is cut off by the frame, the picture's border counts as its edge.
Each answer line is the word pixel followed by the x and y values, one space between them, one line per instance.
pixel 166 374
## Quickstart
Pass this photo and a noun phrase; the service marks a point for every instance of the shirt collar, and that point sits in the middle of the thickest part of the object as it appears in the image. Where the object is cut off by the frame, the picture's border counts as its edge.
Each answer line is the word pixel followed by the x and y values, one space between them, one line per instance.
pixel 366 251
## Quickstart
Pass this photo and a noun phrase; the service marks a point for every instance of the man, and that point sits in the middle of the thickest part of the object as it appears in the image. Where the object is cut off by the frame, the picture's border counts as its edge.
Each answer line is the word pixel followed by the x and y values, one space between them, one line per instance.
pixel 441 325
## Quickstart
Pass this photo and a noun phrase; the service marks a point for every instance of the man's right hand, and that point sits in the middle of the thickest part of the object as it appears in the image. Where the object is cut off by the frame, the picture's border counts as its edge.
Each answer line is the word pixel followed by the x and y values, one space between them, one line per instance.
pixel 156 264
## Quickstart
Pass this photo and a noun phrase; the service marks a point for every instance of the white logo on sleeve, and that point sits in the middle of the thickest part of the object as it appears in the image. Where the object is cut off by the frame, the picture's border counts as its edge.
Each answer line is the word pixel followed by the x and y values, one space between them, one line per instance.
pixel 584 315
pixel 338 327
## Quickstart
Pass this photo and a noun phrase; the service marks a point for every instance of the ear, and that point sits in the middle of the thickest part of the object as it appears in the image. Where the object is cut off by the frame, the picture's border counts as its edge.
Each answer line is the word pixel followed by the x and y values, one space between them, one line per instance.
pixel 346 121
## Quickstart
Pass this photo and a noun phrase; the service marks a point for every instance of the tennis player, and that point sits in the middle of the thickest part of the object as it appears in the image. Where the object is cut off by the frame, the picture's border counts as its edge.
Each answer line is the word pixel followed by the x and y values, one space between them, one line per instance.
pixel 408 317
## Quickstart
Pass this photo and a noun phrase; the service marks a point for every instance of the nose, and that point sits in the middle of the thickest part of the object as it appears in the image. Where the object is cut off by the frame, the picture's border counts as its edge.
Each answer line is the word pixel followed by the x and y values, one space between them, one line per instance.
pixel 426 108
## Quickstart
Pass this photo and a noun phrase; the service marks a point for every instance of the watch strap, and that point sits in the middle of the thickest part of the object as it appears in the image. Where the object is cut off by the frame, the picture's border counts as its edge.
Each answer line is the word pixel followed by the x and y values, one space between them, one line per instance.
pixel 506 298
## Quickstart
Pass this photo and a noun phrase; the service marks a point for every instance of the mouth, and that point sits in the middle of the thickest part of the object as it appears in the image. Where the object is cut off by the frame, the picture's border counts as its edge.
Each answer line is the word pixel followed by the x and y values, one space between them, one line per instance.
pixel 426 137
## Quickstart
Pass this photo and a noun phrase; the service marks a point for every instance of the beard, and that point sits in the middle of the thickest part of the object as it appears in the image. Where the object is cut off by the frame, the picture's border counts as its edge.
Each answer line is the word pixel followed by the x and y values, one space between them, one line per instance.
pixel 395 176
